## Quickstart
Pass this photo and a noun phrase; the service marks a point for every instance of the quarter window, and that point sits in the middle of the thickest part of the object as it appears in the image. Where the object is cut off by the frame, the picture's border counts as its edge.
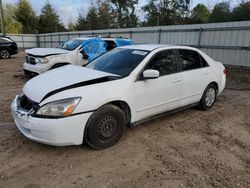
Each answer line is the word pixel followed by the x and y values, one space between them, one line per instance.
pixel 189 59
pixel 203 62
pixel 164 62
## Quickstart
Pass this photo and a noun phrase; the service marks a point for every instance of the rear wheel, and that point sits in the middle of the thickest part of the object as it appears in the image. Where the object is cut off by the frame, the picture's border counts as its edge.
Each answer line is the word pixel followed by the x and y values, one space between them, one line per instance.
pixel 105 127
pixel 5 54
pixel 209 97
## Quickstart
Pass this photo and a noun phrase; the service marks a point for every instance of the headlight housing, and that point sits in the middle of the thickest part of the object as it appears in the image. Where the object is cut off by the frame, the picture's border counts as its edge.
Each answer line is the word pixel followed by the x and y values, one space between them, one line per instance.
pixel 61 108
pixel 42 60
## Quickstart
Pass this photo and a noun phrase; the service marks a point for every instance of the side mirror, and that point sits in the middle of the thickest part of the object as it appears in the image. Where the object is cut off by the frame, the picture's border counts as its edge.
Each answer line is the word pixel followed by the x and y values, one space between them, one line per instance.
pixel 151 74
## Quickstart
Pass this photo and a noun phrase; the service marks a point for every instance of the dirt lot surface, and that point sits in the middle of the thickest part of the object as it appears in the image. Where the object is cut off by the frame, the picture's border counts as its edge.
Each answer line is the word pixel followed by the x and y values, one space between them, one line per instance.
pixel 191 148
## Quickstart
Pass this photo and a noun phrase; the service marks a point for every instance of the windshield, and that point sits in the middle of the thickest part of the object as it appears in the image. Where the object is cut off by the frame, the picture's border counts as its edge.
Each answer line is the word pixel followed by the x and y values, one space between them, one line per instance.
pixel 71 44
pixel 118 61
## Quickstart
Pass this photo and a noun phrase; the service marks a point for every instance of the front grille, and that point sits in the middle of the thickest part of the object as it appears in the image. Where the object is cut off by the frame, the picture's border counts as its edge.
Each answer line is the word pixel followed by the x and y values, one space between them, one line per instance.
pixel 26 104
pixel 30 60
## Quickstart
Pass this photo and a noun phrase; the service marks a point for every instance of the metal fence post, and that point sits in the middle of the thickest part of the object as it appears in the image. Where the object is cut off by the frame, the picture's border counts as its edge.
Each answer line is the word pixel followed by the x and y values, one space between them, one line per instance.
pixel 130 34
pixel 51 43
pixel 37 39
pixel 22 42
pixel 199 39
pixel 59 37
pixel 159 36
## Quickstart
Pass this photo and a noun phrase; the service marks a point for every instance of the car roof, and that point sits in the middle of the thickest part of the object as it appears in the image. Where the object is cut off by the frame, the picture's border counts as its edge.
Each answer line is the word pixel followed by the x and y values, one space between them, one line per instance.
pixel 86 38
pixel 151 47
pixel 147 47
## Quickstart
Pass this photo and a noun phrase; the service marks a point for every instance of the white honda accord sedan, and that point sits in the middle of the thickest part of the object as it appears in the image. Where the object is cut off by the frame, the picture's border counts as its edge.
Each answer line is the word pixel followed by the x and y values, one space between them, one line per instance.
pixel 128 85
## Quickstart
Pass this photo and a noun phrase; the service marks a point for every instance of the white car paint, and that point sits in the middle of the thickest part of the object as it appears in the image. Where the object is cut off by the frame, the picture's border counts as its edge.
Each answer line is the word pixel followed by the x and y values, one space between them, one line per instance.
pixel 55 56
pixel 145 98
pixel 46 51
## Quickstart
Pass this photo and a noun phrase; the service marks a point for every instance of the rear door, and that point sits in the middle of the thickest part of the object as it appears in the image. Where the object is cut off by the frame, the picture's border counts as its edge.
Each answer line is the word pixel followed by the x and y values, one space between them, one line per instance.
pixel 154 96
pixel 196 75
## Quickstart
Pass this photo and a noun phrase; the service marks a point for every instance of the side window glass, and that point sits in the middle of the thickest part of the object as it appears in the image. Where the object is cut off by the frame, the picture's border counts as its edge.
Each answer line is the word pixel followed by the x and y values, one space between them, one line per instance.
pixel 203 62
pixel 189 59
pixel 164 62
pixel 110 45
pixel 2 40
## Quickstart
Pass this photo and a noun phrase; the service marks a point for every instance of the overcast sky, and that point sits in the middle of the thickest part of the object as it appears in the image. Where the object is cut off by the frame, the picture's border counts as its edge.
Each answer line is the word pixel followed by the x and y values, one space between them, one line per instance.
pixel 68 9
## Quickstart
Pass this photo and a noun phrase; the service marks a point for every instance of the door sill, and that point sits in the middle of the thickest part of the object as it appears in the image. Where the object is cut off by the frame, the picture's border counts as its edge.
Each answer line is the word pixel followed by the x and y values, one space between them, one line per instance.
pixel 163 114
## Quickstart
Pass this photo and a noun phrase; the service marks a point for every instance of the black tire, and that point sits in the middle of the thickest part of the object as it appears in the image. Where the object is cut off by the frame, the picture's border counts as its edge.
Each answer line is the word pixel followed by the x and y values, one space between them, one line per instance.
pixel 105 127
pixel 209 97
pixel 5 54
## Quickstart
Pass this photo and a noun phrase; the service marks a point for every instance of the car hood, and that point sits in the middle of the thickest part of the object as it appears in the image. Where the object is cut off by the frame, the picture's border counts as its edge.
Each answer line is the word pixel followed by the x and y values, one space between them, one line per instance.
pixel 43 52
pixel 60 79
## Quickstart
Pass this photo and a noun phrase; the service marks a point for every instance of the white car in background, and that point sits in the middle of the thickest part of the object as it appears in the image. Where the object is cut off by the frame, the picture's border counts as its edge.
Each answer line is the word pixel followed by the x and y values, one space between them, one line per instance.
pixel 78 51
pixel 123 87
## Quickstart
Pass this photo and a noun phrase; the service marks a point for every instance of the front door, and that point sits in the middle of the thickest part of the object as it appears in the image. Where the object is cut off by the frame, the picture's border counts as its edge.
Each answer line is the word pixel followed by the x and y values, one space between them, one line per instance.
pixel 155 96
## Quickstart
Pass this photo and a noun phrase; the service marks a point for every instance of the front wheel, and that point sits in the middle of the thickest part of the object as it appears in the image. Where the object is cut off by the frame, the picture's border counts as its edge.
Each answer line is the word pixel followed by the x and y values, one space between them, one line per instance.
pixel 105 127
pixel 209 97
pixel 5 54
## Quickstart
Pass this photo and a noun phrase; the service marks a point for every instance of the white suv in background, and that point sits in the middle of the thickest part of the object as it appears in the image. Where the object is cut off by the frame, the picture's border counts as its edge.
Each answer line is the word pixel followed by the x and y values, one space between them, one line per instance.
pixel 78 51
pixel 124 86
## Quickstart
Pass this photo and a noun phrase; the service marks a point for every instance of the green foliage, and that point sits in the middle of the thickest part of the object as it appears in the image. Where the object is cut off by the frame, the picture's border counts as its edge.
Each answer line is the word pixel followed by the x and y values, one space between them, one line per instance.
pixel 81 23
pixel 71 25
pixel 200 14
pixel 165 12
pixel 92 19
pixel 25 15
pixel 241 12
pixel 221 13
pixel 49 21
pixel 125 13
pixel 105 15
pixel 11 24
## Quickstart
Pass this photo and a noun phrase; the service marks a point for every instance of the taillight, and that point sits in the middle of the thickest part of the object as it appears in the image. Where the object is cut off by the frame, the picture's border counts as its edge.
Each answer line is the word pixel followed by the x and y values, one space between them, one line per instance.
pixel 225 71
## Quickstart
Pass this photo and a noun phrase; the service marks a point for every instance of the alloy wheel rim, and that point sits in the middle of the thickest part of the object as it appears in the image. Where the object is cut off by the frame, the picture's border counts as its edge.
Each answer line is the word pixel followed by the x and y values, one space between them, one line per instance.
pixel 4 54
pixel 210 97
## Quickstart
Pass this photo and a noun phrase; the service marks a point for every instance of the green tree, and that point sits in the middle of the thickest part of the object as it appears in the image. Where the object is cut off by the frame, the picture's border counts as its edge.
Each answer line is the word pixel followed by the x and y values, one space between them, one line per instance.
pixel 49 21
pixel 26 16
pixel 11 24
pixel 165 12
pixel 200 14
pixel 241 12
pixel 81 23
pixel 105 15
pixel 71 25
pixel 92 19
pixel 125 13
pixel 221 13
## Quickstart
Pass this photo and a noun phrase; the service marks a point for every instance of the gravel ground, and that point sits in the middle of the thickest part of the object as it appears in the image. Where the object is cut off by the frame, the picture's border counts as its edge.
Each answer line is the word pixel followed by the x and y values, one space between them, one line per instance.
pixel 191 148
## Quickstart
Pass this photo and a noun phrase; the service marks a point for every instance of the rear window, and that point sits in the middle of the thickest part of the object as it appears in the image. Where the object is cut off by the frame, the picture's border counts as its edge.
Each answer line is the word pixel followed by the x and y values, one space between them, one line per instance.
pixel 189 60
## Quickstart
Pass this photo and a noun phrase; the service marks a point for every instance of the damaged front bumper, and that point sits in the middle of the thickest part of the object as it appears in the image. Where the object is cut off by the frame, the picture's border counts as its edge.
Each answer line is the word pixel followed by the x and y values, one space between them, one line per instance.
pixel 56 132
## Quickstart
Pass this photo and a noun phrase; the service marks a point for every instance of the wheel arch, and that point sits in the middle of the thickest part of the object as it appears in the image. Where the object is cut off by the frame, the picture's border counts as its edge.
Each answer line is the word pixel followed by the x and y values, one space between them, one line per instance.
pixel 216 85
pixel 124 107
